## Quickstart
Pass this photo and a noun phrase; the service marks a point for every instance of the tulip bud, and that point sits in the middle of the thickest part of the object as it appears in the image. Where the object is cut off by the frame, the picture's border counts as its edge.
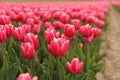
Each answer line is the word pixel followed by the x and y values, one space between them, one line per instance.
pixel 96 32
pixel 9 29
pixel 76 23
pixel 27 49
pixel 81 45
pixel 58 24
pixel 2 34
pixel 5 19
pixel 47 16
pixel 50 34
pixel 75 67
pixel 69 30
pixel 26 76
pixel 29 37
pixel 47 25
pixel 27 28
pixel 36 28
pixel 35 78
pixel 58 47
pixel 30 21
pixel 19 33
pixel 89 39
pixel 85 31
pixel 100 24
pixel 64 17
pixel 57 14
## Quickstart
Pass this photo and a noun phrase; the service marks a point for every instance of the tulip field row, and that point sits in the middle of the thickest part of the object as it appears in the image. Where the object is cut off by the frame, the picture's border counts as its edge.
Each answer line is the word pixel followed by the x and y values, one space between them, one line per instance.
pixel 116 5
pixel 52 40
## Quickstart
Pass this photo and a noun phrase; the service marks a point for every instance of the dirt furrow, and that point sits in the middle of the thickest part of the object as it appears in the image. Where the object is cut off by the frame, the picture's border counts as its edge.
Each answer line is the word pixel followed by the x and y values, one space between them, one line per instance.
pixel 111 69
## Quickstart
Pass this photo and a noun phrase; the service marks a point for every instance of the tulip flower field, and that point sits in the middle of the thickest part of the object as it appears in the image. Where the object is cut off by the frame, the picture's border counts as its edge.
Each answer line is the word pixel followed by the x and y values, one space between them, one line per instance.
pixel 52 40
pixel 116 5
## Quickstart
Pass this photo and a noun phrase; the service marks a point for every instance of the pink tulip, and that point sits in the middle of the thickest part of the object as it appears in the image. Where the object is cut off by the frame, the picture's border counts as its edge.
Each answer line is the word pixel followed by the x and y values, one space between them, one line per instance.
pixel 100 24
pixel 85 31
pixel 36 19
pixel 89 39
pixel 69 30
pixel 9 29
pixel 64 17
pixel 3 33
pixel 29 37
pixel 19 33
pixel 30 21
pixel 5 19
pixel 76 23
pixel 96 32
pixel 58 47
pixel 75 67
pixel 47 25
pixel 57 14
pixel 36 28
pixel 50 34
pixel 26 76
pixel 26 27
pixel 28 51
pixel 47 16
pixel 81 45
pixel 35 78
pixel 58 25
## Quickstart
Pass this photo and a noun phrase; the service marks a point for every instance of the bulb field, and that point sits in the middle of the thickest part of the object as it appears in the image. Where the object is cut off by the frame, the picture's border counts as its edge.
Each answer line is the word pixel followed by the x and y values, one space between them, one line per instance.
pixel 52 40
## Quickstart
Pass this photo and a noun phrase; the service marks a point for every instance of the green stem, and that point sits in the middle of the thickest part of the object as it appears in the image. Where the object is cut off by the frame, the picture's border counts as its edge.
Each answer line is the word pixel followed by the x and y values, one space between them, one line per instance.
pixel 32 66
pixel 58 68
pixel 74 77
pixel 86 55
pixel 3 50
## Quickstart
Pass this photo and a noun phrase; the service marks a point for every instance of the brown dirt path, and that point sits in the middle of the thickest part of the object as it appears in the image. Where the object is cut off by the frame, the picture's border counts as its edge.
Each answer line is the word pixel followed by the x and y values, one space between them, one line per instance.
pixel 111 69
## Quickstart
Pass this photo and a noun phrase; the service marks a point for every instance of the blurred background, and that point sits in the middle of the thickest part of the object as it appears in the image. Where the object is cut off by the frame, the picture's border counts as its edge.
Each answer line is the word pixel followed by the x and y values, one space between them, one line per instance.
pixel 45 0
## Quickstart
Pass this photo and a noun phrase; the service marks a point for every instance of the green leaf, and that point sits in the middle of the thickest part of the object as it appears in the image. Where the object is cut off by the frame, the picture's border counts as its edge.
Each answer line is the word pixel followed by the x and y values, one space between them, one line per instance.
pixel 96 67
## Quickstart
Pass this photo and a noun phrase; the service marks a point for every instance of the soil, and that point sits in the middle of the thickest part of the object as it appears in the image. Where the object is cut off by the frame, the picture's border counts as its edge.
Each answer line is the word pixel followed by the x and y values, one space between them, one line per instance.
pixel 111 46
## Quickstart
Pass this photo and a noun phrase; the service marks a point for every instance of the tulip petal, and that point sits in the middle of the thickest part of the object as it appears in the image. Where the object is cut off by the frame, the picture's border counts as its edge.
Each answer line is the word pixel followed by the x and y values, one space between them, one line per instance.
pixel 79 68
pixel 64 47
pixel 54 48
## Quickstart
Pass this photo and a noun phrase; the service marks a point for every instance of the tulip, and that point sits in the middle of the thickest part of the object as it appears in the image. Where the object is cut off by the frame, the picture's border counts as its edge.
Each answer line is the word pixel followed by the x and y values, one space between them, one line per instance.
pixel 5 19
pixel 29 37
pixel 89 39
pixel 81 45
pixel 28 51
pixel 69 30
pixel 9 29
pixel 47 25
pixel 85 31
pixel 58 24
pixel 57 14
pixel 36 19
pixel 76 23
pixel 100 24
pixel 36 28
pixel 58 47
pixel 64 17
pixel 19 33
pixel 47 16
pixel 75 67
pixel 26 76
pixel 96 32
pixel 50 34
pixel 26 27
pixel 30 21
pixel 2 34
